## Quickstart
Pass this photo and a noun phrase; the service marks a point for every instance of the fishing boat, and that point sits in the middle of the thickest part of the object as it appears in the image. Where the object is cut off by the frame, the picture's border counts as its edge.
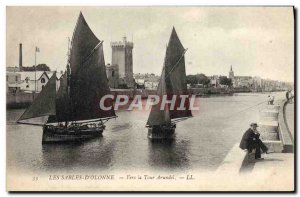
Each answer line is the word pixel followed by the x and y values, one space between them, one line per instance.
pixel 72 108
pixel 161 124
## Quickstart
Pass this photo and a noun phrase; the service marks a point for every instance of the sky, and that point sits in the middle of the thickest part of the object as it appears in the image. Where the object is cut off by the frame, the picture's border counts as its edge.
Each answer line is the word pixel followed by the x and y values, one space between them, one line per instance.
pixel 256 41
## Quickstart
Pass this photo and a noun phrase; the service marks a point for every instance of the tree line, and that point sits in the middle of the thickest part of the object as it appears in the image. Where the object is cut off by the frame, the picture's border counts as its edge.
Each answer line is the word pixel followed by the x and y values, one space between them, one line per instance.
pixel 205 81
pixel 39 67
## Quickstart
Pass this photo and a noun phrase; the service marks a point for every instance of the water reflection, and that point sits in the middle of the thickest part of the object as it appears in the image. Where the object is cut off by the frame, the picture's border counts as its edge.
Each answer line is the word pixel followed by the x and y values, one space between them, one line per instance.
pixel 116 128
pixel 168 154
pixel 60 155
pixel 93 154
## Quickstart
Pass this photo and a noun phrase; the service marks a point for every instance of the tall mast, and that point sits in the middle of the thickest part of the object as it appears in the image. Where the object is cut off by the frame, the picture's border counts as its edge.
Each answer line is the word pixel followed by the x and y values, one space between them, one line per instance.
pixel 68 53
pixel 68 78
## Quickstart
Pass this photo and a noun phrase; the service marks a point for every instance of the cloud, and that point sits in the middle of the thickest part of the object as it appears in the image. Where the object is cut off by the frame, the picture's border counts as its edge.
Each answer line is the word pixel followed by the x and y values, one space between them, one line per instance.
pixel 255 40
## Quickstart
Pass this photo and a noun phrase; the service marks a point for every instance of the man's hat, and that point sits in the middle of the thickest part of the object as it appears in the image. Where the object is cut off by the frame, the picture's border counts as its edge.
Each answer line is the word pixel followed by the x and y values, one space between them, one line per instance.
pixel 254 124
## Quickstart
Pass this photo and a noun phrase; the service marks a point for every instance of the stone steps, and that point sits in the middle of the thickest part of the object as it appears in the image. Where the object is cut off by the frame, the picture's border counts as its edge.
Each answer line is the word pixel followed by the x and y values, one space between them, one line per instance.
pixel 268 115
pixel 268 127
pixel 274 146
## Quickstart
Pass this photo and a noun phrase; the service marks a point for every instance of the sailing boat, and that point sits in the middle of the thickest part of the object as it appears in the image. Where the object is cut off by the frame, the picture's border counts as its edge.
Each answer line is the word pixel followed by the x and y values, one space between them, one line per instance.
pixel 162 123
pixel 73 112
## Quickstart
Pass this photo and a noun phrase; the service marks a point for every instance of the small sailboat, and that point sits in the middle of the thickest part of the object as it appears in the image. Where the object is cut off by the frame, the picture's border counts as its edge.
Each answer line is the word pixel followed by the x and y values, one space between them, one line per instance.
pixel 162 123
pixel 72 110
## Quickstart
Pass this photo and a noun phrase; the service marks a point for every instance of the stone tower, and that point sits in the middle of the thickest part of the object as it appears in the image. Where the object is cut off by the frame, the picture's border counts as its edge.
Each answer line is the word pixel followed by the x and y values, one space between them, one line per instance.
pixel 122 58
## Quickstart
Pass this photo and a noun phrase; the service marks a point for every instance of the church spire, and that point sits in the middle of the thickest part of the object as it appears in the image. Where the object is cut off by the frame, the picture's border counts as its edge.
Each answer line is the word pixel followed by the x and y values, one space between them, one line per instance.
pixel 231 73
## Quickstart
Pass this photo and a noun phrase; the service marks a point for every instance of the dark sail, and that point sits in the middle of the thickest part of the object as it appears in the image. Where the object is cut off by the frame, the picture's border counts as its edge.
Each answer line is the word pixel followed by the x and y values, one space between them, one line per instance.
pixel 172 82
pixel 88 86
pixel 176 75
pixel 83 42
pixel 62 102
pixel 44 104
pixel 81 90
pixel 157 116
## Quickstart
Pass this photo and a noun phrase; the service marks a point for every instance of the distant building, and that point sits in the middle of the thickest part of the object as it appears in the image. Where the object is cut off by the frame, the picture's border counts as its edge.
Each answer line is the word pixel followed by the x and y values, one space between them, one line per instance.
pixel 242 81
pixel 151 85
pixel 214 80
pixel 29 81
pixel 257 84
pixel 30 84
pixel 140 83
pixel 13 81
pixel 147 81
pixel 122 62
pixel 112 73
pixel 12 69
pixel 13 77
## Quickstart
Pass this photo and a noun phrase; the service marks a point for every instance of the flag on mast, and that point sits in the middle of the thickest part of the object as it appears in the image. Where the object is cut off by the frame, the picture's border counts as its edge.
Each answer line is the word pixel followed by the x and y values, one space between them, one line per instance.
pixel 37 49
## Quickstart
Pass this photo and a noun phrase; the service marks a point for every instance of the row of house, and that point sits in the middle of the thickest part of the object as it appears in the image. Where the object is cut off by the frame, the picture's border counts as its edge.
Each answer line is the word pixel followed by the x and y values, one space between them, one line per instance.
pixel 254 84
pixel 258 84
pixel 146 81
pixel 29 81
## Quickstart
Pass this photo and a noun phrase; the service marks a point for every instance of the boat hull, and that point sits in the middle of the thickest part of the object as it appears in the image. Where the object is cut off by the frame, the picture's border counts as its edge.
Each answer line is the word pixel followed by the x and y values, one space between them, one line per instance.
pixel 160 133
pixel 63 135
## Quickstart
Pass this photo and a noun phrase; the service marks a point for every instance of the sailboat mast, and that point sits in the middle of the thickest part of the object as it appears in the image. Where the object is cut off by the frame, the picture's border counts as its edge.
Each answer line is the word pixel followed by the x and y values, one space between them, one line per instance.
pixel 69 48
pixel 68 76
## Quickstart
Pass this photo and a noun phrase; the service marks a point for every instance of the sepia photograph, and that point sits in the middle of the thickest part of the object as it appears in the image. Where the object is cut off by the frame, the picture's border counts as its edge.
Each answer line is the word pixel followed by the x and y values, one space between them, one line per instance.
pixel 150 98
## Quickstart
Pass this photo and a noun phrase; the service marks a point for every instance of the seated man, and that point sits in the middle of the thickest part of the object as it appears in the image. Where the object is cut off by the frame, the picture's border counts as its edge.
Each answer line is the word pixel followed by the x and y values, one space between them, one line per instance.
pixel 250 141
pixel 271 100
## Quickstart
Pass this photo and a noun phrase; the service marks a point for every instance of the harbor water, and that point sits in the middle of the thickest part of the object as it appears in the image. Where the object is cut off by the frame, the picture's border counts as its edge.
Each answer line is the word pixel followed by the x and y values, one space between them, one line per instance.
pixel 201 142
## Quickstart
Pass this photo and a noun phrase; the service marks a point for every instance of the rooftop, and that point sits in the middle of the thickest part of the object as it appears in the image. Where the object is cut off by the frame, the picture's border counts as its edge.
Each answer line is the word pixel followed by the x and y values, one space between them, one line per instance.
pixel 121 43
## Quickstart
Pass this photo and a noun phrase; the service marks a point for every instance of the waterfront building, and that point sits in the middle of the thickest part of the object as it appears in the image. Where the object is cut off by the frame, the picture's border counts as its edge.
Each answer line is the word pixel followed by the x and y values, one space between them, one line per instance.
pixel 149 80
pixel 112 73
pixel 12 69
pixel 151 85
pixel 29 81
pixel 140 83
pixel 25 81
pixel 13 77
pixel 243 81
pixel 257 84
pixel 240 81
pixel 214 81
pixel 13 81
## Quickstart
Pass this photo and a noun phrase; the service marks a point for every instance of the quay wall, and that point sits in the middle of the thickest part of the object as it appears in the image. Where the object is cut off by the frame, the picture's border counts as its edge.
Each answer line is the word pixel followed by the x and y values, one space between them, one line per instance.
pixel 284 133
pixel 23 99
pixel 208 91
pixel 238 160
pixel 19 100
